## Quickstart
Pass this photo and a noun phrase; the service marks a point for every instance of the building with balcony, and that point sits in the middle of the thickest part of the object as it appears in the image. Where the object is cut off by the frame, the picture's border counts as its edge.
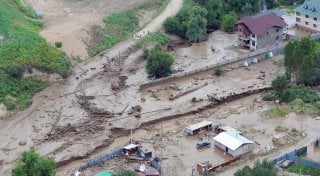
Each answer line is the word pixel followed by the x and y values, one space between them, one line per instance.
pixel 308 16
pixel 261 31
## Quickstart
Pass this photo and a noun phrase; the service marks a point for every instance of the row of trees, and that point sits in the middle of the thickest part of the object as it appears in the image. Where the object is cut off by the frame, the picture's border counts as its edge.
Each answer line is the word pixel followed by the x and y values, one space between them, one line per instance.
pixel 193 20
pixel 302 61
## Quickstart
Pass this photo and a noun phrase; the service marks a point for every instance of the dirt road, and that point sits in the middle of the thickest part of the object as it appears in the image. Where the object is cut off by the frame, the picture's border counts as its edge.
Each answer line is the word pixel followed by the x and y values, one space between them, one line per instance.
pixel 173 8
pixel 57 108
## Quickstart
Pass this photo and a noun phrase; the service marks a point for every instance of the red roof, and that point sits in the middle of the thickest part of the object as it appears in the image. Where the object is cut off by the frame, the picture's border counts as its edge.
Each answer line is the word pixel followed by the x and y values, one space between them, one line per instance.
pixel 261 25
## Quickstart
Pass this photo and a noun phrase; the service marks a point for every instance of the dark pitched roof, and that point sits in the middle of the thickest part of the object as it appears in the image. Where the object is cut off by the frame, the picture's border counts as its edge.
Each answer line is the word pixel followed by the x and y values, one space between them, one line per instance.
pixel 262 24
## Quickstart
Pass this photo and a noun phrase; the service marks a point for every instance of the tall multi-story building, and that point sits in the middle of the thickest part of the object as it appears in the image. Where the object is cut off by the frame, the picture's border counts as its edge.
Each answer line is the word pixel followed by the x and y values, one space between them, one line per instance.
pixel 308 15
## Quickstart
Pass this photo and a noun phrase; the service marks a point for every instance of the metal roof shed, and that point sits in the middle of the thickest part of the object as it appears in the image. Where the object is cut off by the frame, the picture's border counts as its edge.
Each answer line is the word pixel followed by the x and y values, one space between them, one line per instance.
pixel 233 143
pixel 195 127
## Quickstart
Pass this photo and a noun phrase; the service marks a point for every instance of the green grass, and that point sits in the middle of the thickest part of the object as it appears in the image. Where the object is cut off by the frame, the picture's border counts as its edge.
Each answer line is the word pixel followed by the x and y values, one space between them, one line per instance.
pixel 22 47
pixel 275 112
pixel 295 168
pixel 156 38
pixel 122 25
pixel 24 8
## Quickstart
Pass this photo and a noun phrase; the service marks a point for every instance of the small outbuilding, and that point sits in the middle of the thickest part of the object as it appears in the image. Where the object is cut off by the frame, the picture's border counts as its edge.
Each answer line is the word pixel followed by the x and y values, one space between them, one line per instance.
pixel 195 128
pixel 233 143
pixel 131 149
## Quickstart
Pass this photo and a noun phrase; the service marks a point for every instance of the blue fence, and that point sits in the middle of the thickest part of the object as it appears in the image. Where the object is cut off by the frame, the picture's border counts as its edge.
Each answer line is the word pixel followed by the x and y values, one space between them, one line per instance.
pixel 295 156
pixel 106 157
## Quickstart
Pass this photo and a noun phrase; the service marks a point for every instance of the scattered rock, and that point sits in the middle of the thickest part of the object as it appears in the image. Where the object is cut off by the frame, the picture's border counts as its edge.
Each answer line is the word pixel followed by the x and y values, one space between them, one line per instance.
pixel 22 142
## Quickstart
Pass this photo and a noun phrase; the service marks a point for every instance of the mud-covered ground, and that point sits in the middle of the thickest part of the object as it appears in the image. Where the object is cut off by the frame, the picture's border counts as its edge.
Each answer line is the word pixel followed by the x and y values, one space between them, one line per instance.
pixel 68 21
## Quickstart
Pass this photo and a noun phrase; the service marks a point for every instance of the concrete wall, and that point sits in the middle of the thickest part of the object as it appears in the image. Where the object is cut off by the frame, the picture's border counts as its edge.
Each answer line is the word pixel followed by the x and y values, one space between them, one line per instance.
pixel 271 38
pixel 240 151
pixel 302 20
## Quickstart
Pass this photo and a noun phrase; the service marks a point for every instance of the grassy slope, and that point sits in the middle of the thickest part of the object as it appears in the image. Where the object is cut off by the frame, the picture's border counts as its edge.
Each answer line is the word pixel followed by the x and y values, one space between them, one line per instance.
pixel 122 25
pixel 22 47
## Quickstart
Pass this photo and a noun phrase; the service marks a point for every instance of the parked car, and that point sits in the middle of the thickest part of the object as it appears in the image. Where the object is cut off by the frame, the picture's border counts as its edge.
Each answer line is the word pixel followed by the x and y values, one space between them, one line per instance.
pixel 317 118
pixel 203 144
pixel 287 163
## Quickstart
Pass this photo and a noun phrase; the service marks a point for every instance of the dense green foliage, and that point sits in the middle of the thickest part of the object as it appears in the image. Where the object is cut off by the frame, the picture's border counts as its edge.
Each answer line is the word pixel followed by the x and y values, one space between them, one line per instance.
pixel 122 25
pixel 264 168
pixel 279 85
pixel 229 21
pixel 189 23
pixel 305 170
pixel 215 11
pixel 21 48
pixel 159 64
pixel 302 59
pixel 275 3
pixel 32 164
pixel 156 38
pixel 302 92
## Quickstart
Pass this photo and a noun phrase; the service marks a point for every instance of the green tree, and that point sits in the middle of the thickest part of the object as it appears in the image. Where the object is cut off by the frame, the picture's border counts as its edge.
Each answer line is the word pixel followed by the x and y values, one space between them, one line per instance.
pixel 32 164
pixel 302 59
pixel 279 85
pixel 229 21
pixel 271 4
pixel 159 64
pixel 247 10
pixel 264 168
pixel 215 10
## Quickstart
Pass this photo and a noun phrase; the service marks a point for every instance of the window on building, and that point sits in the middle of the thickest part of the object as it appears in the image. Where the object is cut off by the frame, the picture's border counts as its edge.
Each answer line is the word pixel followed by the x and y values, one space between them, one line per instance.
pixel 253 36
pixel 315 19
pixel 298 13
pixel 314 25
pixel 307 23
pixel 307 16
pixel 298 20
pixel 277 30
pixel 277 37
pixel 253 43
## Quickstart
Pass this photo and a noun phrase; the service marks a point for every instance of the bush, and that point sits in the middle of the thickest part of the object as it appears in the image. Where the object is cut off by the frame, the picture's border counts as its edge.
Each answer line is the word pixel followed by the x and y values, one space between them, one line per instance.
pixel 218 71
pixel 229 22
pixel 270 96
pixel 305 170
pixel 159 64
pixel 302 92
pixel 279 85
pixel 58 44
pixel 264 168
pixel 277 111
pixel 153 38
pixel 15 71
pixel 280 128
pixel 10 105
pixel 32 164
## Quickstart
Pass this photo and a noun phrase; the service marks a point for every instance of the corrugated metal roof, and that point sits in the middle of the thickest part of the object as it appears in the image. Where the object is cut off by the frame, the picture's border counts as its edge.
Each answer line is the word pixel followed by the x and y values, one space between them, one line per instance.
pixel 310 7
pixel 231 140
pixel 199 125
pixel 130 146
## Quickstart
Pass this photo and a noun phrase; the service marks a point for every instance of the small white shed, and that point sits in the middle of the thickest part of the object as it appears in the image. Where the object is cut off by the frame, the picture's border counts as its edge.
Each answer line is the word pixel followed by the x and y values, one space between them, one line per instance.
pixel 233 143
pixel 192 129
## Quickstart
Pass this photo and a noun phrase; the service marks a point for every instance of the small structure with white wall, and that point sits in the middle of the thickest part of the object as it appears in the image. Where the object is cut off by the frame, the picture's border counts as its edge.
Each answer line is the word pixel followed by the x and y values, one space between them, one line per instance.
pixel 195 128
pixel 233 143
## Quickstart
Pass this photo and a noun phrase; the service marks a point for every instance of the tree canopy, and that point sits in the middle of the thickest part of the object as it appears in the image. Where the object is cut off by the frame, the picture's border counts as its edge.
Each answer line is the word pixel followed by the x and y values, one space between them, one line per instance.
pixel 228 22
pixel 302 59
pixel 159 64
pixel 32 164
